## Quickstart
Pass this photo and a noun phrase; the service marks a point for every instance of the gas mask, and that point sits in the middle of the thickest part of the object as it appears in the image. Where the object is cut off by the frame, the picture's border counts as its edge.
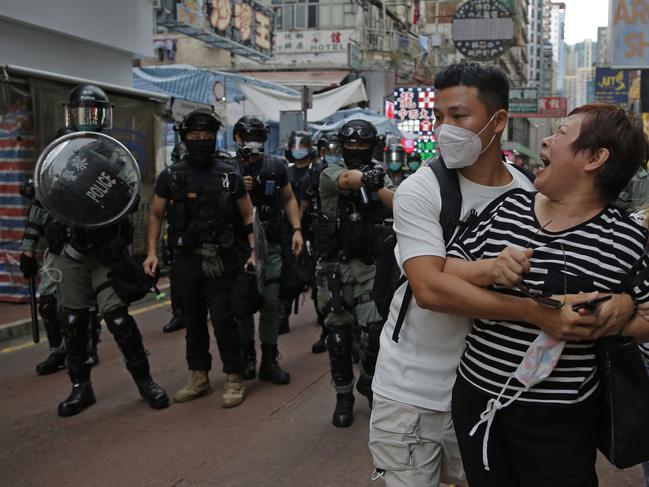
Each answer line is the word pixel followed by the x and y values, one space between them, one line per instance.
pixel 355 158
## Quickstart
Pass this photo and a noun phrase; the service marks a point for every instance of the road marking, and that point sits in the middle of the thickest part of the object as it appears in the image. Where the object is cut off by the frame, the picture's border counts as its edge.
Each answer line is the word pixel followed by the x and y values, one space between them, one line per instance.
pixel 135 312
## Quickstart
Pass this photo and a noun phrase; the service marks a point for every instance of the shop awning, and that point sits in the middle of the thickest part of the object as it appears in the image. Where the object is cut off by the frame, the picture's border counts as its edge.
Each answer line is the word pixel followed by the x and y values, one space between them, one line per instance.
pixel 519 148
pixel 313 79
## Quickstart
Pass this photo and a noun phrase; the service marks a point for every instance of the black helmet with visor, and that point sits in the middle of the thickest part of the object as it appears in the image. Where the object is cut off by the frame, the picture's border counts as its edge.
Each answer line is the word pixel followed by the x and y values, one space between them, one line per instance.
pixel 88 110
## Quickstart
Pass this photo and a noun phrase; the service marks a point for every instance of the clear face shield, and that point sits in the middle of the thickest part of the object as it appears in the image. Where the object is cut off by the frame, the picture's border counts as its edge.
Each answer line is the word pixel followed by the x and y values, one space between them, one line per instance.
pixel 333 152
pixel 300 147
pixel 89 118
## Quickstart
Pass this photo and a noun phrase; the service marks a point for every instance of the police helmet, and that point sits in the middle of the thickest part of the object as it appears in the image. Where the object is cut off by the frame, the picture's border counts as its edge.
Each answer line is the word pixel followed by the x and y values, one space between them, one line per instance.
pixel 88 109
pixel 200 119
pixel 250 128
pixel 358 130
pixel 299 146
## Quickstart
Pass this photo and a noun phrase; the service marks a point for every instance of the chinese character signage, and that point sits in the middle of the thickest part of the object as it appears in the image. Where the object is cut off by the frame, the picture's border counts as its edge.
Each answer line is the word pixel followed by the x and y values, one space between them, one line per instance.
pixel 553 106
pixel 612 86
pixel 483 29
pixel 629 23
pixel 545 107
pixel 413 110
pixel 244 22
pixel 311 41
pixel 523 100
pixel 413 113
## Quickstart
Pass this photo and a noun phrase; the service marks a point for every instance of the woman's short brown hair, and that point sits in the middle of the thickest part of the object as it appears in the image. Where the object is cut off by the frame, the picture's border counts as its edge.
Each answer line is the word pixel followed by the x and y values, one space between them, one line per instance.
pixel 609 127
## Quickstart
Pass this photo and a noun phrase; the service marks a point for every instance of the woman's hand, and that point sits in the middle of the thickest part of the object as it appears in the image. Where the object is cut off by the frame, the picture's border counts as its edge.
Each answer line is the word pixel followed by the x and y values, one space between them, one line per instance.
pixel 612 315
pixel 510 266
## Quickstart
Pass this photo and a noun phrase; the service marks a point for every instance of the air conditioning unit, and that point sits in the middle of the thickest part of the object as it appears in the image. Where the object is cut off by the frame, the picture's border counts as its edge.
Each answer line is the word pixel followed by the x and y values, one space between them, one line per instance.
pixel 157 4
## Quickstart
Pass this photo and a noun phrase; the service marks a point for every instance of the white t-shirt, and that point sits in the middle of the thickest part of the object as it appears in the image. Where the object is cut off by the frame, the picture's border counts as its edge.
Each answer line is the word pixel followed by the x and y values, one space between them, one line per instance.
pixel 420 370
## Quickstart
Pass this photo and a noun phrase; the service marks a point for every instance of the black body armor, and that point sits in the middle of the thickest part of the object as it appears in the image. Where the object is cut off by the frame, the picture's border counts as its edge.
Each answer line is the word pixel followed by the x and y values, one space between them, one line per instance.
pixel 201 209
pixel 266 197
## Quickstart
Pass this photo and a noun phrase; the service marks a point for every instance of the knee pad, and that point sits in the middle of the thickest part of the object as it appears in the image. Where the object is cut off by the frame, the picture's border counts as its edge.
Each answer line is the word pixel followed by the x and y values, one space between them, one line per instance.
pixel 47 307
pixel 339 341
pixel 374 335
pixel 119 322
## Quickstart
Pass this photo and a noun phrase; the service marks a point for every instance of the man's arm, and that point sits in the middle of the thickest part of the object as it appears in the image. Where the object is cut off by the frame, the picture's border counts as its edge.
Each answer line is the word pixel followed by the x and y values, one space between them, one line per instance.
pixel 156 215
pixel 293 215
pixel 446 293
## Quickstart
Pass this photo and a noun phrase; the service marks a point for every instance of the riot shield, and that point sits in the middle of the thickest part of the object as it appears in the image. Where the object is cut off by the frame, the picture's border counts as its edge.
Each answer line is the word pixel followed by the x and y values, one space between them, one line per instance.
pixel 87 180
pixel 260 248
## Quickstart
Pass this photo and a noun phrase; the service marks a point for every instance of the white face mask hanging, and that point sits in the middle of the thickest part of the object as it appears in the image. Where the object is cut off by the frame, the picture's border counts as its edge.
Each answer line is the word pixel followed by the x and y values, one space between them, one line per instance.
pixel 539 361
pixel 460 147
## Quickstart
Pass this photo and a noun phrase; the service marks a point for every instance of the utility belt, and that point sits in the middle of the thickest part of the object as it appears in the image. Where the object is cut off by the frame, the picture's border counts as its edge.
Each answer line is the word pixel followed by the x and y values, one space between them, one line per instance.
pixel 192 240
pixel 108 245
pixel 346 240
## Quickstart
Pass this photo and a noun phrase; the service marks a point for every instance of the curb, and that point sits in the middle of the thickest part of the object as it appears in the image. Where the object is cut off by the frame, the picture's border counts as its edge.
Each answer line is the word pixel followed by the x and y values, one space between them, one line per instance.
pixel 23 327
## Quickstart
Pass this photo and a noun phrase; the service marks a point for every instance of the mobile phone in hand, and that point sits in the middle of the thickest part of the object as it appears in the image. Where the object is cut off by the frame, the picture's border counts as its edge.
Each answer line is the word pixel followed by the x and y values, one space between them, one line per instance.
pixel 592 304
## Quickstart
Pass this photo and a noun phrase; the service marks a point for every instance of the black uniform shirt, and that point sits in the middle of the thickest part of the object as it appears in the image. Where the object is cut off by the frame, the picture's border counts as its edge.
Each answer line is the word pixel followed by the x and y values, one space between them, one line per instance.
pixel 299 181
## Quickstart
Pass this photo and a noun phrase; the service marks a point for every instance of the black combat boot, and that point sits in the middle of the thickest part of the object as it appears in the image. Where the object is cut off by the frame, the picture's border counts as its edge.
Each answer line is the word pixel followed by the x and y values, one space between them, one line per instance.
pixel 129 340
pixel 82 395
pixel 344 412
pixel 176 323
pixel 149 390
pixel 249 359
pixel 54 362
pixel 269 370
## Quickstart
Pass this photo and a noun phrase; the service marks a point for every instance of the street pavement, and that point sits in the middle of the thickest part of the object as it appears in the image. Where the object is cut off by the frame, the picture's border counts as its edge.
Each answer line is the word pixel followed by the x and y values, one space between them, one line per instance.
pixel 280 435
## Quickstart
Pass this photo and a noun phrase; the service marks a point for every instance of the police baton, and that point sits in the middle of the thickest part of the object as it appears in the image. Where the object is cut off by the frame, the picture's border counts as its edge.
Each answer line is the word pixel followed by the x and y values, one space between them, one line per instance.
pixel 32 306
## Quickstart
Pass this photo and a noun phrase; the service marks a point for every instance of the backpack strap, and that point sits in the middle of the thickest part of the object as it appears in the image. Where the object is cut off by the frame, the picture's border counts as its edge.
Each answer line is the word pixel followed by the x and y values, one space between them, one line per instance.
pixel 449 218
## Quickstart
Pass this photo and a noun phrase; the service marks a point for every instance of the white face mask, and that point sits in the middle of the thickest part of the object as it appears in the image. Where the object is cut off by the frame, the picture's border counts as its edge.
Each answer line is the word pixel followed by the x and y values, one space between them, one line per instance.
pixel 460 147
pixel 539 361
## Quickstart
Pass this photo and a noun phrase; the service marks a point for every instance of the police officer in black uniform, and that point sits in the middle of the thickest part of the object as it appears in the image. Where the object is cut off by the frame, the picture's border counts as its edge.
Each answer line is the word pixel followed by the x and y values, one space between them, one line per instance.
pixel 85 263
pixel 204 197
pixel 300 152
pixel 177 322
pixel 266 180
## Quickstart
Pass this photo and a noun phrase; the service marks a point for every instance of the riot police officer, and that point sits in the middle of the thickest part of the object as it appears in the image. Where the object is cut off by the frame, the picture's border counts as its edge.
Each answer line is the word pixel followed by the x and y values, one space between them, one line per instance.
pixel 85 263
pixel 329 153
pixel 300 152
pixel 177 322
pixel 353 195
pixel 200 194
pixel 394 159
pixel 266 180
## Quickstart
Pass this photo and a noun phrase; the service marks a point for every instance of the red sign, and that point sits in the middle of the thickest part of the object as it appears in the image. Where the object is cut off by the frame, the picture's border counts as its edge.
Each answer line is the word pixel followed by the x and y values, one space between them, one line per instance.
pixel 553 106
pixel 549 107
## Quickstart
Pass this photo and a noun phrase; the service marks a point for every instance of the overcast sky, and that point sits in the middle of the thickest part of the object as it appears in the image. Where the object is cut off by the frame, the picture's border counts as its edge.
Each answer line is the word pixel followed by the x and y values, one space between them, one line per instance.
pixel 583 17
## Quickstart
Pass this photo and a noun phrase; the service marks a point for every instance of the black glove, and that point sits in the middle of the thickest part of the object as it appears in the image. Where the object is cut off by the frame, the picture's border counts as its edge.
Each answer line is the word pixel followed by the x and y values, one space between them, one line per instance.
pixel 28 265
pixel 373 177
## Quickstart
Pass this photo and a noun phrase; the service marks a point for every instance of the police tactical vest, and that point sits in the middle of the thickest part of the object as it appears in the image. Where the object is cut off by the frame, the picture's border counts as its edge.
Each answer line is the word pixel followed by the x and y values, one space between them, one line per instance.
pixel 201 208
pixel 266 197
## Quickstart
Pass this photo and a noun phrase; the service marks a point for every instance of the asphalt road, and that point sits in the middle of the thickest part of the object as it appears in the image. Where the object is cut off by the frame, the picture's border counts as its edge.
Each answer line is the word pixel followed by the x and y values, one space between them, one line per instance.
pixel 280 435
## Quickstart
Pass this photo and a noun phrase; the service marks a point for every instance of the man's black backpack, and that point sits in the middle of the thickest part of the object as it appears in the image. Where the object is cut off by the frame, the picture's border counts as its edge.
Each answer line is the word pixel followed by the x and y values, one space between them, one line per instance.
pixel 449 219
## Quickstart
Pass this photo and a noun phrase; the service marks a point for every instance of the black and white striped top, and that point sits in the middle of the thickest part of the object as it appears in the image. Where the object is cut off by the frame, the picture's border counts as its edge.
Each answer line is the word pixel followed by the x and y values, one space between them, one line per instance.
pixel 599 254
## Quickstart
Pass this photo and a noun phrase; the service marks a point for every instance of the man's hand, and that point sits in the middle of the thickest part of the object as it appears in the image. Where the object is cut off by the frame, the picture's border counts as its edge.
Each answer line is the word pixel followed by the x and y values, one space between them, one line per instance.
pixel 28 264
pixel 251 263
pixel 297 243
pixel 248 182
pixel 510 266
pixel 373 177
pixel 150 264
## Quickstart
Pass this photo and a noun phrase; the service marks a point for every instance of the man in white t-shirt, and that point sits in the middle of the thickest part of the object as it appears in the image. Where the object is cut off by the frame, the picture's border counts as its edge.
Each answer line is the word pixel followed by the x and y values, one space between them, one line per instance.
pixel 412 439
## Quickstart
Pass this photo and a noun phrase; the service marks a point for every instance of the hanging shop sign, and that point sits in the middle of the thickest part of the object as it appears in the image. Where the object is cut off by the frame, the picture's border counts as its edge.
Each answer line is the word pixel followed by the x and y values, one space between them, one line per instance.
pixel 547 107
pixel 244 27
pixel 483 29
pixel 413 113
pixel 523 100
pixel 629 24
